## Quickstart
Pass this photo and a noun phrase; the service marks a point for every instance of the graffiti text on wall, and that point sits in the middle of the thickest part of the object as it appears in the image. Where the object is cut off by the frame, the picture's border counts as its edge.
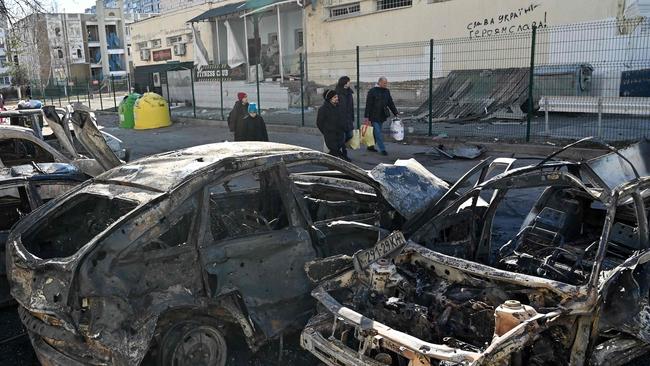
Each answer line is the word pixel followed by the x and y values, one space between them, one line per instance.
pixel 513 21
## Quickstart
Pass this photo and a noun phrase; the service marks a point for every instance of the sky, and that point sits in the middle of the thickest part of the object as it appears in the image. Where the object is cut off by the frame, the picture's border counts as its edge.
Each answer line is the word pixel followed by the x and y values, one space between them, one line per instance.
pixel 71 6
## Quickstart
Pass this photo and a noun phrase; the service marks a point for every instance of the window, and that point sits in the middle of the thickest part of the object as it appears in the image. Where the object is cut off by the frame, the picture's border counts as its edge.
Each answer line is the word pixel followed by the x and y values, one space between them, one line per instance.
pixel 78 53
pixel 298 38
pixel 392 4
pixel 155 43
pixel 175 236
pixel 59 53
pixel 172 40
pixel 273 38
pixel 13 204
pixel 348 9
pixel 19 151
pixel 141 45
pixel 57 31
pixel 245 204
pixel 74 224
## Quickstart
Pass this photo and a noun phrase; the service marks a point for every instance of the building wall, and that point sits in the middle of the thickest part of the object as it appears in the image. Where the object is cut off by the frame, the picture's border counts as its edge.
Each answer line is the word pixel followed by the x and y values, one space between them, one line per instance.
pixel 427 19
pixel 173 5
pixel 165 26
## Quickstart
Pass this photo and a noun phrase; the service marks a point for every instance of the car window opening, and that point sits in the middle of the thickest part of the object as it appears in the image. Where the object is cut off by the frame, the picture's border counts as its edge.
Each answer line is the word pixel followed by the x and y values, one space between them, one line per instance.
pixel 75 224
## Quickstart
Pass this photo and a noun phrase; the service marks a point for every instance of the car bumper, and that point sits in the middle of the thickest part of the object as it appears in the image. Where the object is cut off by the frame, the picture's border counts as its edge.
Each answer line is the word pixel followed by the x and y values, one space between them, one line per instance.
pixel 333 352
pixel 50 356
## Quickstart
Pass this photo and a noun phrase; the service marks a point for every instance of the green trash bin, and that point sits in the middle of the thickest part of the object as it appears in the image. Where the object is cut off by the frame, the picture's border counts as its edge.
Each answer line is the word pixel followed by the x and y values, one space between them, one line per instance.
pixel 127 120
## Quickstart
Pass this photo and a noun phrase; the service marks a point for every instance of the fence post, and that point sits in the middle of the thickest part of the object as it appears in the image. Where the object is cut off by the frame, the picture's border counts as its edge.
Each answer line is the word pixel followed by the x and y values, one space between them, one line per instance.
pixel 76 86
pixel 169 97
pixel 193 96
pixel 257 84
pixel 67 88
pixel 302 92
pixel 430 87
pixel 358 87
pixel 128 83
pixel 113 87
pixel 531 72
pixel 88 92
pixel 101 101
pixel 221 67
pixel 59 91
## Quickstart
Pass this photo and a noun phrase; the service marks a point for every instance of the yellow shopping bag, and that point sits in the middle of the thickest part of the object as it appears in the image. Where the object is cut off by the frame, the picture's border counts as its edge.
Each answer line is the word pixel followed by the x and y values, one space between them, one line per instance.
pixel 355 142
pixel 367 137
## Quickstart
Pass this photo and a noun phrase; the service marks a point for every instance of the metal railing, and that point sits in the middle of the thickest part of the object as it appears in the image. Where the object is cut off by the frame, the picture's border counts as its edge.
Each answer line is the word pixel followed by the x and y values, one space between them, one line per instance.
pixel 512 84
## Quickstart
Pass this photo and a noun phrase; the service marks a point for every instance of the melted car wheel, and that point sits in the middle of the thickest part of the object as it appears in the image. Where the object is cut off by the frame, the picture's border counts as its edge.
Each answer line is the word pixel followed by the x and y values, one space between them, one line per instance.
pixel 193 343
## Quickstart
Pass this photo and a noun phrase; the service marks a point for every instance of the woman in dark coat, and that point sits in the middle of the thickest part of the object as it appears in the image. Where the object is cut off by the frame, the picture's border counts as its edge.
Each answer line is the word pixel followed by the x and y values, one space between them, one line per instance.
pixel 346 104
pixel 251 127
pixel 239 111
pixel 331 124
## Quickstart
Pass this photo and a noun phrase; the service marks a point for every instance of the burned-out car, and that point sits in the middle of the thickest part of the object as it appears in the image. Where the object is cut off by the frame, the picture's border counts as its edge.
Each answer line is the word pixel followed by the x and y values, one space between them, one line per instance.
pixel 570 288
pixel 172 255
pixel 22 145
pixel 24 188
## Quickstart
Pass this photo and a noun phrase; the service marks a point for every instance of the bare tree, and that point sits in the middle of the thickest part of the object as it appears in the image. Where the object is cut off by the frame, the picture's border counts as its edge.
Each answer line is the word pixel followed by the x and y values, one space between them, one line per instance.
pixel 13 10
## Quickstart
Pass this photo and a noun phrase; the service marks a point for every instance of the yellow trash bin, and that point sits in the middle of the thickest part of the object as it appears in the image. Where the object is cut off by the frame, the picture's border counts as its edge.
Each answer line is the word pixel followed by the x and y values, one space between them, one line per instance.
pixel 151 111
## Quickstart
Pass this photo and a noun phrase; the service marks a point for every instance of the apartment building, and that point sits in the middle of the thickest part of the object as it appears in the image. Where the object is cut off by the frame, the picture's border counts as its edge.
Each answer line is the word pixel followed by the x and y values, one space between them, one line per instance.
pixel 131 6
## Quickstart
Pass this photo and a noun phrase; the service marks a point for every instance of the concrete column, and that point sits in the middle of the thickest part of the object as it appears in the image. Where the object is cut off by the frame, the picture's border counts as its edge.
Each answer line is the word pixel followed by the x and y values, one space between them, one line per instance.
pixel 216 49
pixel 280 44
pixel 103 43
pixel 120 5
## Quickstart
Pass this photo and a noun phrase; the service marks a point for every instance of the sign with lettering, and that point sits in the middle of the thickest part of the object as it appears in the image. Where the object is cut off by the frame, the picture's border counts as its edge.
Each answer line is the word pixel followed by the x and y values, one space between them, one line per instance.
pixel 162 55
pixel 513 21
pixel 215 72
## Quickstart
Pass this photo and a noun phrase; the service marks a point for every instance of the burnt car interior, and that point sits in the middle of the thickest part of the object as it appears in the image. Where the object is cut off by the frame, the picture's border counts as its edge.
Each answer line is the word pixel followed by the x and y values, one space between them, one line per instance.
pixel 13 204
pixel 561 240
pixel 81 219
pixel 246 204
pixel 19 151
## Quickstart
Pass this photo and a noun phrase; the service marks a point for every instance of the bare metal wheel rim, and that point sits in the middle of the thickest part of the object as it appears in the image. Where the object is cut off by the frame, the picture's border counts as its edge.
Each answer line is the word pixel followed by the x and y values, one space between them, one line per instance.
pixel 201 346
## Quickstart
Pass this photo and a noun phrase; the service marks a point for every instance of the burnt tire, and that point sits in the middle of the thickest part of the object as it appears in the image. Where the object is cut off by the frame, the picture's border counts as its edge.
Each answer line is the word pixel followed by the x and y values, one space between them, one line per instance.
pixel 193 342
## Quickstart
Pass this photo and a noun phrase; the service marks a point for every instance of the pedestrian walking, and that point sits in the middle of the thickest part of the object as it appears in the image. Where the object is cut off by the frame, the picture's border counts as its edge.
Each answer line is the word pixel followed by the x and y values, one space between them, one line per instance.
pixel 239 110
pixel 251 127
pixel 379 106
pixel 346 105
pixel 331 124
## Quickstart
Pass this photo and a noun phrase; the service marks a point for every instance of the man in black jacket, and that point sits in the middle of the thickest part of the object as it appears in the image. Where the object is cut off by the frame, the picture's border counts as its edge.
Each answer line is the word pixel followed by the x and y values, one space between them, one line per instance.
pixel 331 124
pixel 346 104
pixel 379 106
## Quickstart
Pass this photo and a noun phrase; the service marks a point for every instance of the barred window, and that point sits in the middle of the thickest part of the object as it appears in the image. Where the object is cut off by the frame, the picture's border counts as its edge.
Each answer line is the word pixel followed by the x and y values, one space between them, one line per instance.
pixel 392 4
pixel 340 11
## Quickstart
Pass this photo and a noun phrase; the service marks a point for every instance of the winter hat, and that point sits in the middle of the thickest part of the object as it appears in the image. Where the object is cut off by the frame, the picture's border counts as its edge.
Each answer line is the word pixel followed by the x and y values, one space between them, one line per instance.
pixel 252 107
pixel 241 95
pixel 343 80
pixel 329 94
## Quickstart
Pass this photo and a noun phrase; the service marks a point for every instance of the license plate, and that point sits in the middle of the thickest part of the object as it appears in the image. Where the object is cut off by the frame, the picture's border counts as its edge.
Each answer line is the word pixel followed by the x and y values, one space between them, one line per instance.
pixel 385 247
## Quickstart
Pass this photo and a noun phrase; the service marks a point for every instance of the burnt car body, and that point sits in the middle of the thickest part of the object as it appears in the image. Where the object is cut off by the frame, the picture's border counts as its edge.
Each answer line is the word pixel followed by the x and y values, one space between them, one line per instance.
pixel 23 189
pixel 571 287
pixel 175 252
pixel 22 145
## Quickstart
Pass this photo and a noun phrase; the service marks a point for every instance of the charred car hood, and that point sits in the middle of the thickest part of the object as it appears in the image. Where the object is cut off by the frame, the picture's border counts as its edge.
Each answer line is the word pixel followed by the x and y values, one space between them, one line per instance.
pixel 408 186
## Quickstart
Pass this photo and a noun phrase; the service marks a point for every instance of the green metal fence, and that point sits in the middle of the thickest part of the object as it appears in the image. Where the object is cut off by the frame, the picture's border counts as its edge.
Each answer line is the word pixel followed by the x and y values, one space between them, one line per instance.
pixel 105 94
pixel 548 84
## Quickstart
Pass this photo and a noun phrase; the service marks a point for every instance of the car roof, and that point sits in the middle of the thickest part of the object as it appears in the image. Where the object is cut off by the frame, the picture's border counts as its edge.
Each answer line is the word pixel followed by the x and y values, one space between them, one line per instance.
pixel 12 131
pixel 164 171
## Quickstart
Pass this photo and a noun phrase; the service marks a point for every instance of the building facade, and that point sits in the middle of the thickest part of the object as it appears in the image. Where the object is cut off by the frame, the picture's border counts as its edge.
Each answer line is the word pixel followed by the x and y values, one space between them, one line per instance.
pixel 131 6
pixel 5 78
pixel 344 24
pixel 55 48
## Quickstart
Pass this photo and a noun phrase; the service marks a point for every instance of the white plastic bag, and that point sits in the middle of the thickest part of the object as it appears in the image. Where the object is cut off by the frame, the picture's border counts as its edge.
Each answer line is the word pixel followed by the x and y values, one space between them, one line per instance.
pixel 397 129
